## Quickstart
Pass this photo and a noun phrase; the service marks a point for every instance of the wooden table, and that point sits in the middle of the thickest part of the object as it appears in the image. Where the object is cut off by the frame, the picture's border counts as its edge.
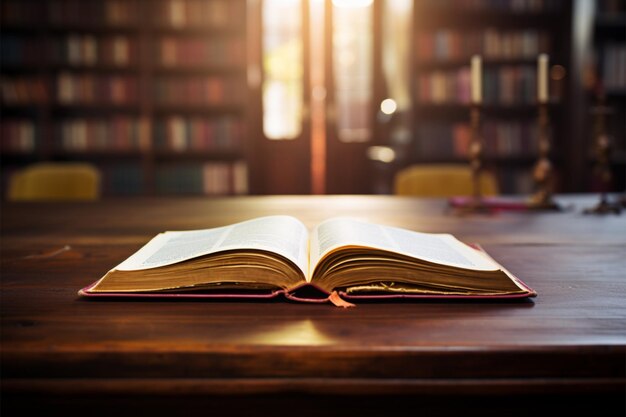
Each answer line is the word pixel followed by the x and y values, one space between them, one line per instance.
pixel 564 352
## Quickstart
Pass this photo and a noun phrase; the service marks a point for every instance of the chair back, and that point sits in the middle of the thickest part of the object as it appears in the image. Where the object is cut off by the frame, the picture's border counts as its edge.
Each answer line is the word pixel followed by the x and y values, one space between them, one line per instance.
pixel 441 180
pixel 54 182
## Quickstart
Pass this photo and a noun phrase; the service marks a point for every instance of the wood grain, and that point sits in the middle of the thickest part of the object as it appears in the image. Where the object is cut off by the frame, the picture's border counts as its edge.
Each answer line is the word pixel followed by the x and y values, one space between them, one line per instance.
pixel 568 345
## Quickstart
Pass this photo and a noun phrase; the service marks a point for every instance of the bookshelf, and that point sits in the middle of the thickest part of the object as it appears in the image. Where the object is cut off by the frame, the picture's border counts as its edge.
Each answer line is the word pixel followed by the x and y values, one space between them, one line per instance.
pixel 508 35
pixel 153 92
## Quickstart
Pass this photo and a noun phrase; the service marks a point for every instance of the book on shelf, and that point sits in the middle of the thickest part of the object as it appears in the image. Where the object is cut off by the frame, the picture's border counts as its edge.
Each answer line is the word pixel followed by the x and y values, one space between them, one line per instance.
pixel 117 51
pixel 208 178
pixel 508 6
pixel 453 45
pixel 24 90
pixel 501 139
pixel 215 14
pixel 88 14
pixel 18 136
pixel 507 85
pixel 190 52
pixel 198 91
pixel 74 89
pixel 122 179
pixel 341 260
pixel 117 133
pixel 179 133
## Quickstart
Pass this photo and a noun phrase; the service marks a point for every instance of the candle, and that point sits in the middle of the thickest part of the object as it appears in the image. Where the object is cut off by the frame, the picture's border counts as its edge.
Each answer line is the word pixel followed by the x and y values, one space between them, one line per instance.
pixel 542 78
pixel 476 78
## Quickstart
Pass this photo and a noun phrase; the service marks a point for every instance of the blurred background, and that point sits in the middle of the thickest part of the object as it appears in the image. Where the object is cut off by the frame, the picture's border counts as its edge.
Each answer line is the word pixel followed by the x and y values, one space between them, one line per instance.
pixel 233 97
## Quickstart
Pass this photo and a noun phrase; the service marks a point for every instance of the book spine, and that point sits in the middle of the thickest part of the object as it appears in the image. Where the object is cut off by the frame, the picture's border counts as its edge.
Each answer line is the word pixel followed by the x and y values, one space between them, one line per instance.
pixel 501 139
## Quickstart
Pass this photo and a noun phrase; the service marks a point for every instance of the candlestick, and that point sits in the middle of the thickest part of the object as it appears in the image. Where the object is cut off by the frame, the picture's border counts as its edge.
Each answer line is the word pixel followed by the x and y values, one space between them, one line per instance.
pixel 542 78
pixel 475 204
pixel 602 169
pixel 542 171
pixel 476 80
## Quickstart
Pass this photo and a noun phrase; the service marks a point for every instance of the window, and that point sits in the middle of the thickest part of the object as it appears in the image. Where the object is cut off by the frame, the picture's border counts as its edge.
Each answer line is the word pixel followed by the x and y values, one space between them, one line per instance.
pixel 353 68
pixel 283 69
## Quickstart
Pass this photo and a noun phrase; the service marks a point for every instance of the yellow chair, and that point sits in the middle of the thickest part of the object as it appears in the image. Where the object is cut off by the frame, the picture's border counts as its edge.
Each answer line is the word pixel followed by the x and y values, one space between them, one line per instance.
pixel 55 182
pixel 441 180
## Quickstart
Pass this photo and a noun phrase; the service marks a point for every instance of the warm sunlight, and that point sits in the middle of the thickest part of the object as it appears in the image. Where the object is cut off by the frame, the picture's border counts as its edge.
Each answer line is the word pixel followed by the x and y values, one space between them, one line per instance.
pixel 282 68
pixel 352 3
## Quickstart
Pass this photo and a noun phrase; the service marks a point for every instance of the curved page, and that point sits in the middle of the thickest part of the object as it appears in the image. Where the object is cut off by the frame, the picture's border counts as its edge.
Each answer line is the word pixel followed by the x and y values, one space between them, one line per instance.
pixel 442 249
pixel 284 235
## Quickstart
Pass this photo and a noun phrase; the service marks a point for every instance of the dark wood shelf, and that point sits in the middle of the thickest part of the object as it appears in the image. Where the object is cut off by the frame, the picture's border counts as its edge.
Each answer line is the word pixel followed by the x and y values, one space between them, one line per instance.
pixel 225 70
pixel 160 109
pixel 16 157
pixel 227 155
pixel 16 109
pixel 98 154
pixel 479 19
pixel 132 69
pixel 463 110
pixel 27 68
pixel 497 160
pixel 459 63
pixel 98 29
pixel 196 31
pixel 91 108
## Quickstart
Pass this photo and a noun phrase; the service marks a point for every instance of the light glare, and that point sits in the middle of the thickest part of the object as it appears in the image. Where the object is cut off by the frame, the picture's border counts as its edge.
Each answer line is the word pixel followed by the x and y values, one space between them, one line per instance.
pixel 352 3
pixel 388 106
pixel 381 153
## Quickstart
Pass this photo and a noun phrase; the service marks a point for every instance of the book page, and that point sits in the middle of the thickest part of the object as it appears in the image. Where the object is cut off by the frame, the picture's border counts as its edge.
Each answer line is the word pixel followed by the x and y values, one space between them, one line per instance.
pixel 433 247
pixel 284 235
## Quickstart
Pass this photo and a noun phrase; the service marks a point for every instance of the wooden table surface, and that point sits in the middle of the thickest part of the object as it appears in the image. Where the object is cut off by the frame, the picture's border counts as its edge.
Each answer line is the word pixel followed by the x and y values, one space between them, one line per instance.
pixel 565 350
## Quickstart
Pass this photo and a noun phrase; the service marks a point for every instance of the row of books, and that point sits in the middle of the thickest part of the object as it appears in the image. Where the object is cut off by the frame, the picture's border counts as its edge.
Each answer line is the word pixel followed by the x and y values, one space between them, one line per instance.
pixel 119 133
pixel 178 133
pixel 211 178
pixel 18 136
pixel 21 50
pixel 176 52
pixel 199 90
pixel 614 67
pixel 23 13
pixel 24 90
pixel 499 139
pixel 446 44
pixel 506 85
pixel 123 13
pixel 515 6
pixel 209 14
pixel 120 51
pixel 88 50
pixel 125 133
pixel 97 89
pixel 120 178
pixel 80 13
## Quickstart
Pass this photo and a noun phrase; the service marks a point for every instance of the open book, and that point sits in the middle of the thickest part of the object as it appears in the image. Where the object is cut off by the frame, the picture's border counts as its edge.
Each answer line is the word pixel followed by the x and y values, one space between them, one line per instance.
pixel 341 259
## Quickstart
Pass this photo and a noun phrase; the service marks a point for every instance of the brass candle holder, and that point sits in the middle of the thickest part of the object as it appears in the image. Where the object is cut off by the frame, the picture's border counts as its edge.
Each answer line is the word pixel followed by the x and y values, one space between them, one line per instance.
pixel 543 172
pixel 475 204
pixel 602 169
pixel 476 155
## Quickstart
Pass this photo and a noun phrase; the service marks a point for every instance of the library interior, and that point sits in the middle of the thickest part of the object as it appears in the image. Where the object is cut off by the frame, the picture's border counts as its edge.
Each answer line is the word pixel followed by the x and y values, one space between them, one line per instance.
pixel 501 122
pixel 215 97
